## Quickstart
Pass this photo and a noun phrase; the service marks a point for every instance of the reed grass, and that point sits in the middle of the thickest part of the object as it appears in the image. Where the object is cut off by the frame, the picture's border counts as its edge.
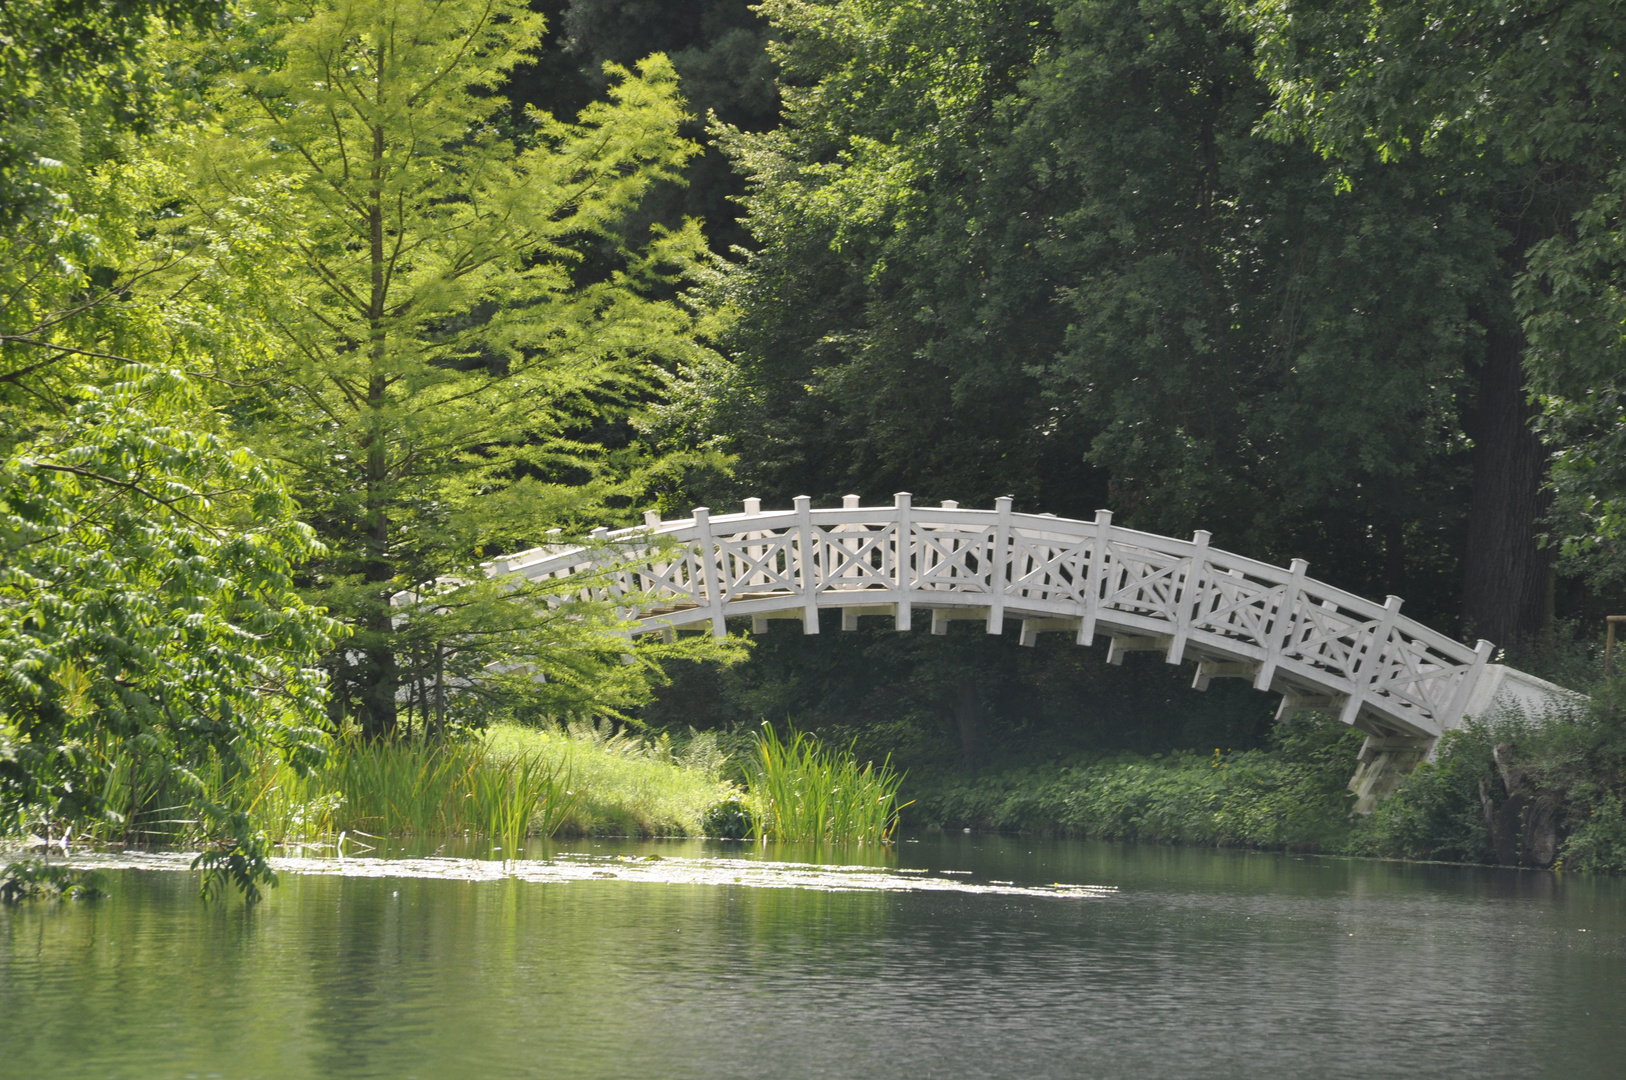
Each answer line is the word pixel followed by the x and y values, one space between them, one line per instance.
pixel 803 792
pixel 417 789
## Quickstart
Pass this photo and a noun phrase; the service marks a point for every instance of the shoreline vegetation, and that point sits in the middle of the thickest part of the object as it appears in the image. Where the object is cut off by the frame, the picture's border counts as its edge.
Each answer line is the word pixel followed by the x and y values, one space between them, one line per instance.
pixel 1542 792
pixel 510 783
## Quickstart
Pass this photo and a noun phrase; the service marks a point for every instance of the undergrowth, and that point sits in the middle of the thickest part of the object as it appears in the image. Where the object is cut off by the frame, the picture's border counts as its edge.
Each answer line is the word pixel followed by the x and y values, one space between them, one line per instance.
pixel 1289 795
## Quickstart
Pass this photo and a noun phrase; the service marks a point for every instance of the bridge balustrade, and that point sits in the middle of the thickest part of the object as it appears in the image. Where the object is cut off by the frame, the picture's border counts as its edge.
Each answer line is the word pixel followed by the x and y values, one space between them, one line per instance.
pixel 1317 645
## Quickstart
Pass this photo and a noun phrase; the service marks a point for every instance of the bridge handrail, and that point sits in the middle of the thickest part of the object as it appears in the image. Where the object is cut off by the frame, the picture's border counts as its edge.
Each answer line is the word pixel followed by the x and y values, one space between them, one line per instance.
pixel 679 530
pixel 1224 603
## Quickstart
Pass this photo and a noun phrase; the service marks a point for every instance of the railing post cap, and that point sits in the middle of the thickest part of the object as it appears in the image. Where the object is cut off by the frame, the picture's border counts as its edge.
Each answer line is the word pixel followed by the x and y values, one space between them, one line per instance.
pixel 1393 602
pixel 802 502
pixel 753 506
pixel 1004 502
pixel 902 498
pixel 701 512
pixel 849 502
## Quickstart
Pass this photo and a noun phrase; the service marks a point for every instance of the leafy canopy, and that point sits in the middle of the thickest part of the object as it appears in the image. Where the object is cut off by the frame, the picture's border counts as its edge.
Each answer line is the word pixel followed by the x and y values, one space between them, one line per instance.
pixel 147 613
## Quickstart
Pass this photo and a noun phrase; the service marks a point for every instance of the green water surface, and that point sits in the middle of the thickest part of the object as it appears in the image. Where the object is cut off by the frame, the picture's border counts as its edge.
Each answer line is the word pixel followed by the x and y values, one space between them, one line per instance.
pixel 1202 964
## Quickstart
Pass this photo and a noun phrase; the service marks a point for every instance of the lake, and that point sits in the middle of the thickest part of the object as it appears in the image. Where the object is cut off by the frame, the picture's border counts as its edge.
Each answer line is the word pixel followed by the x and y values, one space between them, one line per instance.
pixel 955 956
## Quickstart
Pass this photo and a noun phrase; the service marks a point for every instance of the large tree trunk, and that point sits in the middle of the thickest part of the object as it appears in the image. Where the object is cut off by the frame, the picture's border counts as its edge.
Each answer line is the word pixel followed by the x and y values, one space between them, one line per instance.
pixel 967 708
pixel 1507 578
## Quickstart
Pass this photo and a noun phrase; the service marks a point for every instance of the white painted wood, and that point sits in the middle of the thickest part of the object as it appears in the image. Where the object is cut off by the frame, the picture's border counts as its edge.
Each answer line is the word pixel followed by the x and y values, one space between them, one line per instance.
pixel 904 554
pixel 1282 621
pixel 1235 616
pixel 1123 645
pixel 1365 661
pixel 709 579
pixel 1193 594
pixel 1095 576
pixel 1209 670
pixel 808 572
pixel 997 562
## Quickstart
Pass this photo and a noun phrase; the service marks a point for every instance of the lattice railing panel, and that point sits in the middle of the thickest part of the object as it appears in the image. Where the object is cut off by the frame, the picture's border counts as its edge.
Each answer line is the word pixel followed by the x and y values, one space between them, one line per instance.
pixel 1113 580
pixel 759 562
pixel 1047 569
pixel 1140 581
pixel 954 560
pixel 855 558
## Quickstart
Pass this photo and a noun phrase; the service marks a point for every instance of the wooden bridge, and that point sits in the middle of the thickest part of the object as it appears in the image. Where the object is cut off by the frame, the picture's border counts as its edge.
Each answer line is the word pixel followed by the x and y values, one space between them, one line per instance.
pixel 1318 646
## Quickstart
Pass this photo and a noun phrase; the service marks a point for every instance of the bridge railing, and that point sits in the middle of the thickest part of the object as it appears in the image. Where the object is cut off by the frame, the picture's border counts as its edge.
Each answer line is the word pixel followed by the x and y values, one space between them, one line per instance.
pixel 1318 645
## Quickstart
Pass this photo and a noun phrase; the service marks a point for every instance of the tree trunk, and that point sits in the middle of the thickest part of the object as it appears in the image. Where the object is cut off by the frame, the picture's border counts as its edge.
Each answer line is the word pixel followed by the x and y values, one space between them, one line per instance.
pixel 1507 579
pixel 968 719
pixel 381 677
pixel 380 672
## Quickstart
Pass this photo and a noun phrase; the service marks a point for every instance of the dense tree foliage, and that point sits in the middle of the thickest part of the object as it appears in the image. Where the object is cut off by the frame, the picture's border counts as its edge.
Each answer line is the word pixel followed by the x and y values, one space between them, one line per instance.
pixel 1517 108
pixel 148 621
pixel 1059 262
pixel 439 368
pixel 1099 254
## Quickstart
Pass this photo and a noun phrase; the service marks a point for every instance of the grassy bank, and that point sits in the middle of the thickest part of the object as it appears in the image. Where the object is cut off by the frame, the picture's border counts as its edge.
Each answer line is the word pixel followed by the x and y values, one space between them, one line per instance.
pixel 1290 795
pixel 506 784
pixel 1546 791
pixel 626 785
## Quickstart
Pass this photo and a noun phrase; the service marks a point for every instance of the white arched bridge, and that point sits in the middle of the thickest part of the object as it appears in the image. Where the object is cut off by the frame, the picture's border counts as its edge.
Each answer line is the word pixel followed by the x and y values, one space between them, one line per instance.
pixel 1318 646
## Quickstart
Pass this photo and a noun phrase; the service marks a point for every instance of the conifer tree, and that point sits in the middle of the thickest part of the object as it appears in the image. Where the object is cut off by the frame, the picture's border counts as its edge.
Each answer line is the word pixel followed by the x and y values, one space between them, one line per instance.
pixel 460 323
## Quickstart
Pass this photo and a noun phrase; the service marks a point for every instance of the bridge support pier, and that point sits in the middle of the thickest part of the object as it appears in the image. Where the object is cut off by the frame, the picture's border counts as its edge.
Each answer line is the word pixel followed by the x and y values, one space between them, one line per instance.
pixel 1384 762
pixel 1208 670
pixel 1123 645
pixel 941 617
pixel 759 623
pixel 850 615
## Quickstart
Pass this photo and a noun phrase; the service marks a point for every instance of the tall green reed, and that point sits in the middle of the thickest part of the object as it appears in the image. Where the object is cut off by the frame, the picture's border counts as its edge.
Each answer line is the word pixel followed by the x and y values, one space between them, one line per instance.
pixel 417 789
pixel 804 792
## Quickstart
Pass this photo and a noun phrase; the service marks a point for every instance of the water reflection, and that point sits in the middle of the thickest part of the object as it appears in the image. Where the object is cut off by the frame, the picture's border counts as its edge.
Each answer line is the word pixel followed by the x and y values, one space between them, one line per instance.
pixel 1204 964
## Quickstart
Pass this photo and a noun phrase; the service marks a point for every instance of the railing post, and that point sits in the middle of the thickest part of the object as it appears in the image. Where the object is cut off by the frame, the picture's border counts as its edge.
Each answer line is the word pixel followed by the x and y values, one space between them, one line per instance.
pixel 1196 580
pixel 905 559
pixel 1364 658
pixel 996 578
pixel 1098 563
pixel 804 559
pixel 1465 688
pixel 1282 622
pixel 710 575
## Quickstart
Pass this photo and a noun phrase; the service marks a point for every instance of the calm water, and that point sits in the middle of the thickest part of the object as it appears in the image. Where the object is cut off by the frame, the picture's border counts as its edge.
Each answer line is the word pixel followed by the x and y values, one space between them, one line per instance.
pixel 1202 964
